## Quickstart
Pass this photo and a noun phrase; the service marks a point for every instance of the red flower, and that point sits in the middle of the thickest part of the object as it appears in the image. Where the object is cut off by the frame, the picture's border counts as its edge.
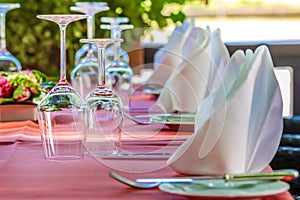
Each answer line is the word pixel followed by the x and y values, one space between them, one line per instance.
pixel 6 90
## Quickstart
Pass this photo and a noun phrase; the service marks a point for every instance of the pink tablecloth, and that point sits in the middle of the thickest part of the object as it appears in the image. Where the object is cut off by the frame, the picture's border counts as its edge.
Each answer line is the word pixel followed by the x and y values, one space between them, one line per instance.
pixel 25 174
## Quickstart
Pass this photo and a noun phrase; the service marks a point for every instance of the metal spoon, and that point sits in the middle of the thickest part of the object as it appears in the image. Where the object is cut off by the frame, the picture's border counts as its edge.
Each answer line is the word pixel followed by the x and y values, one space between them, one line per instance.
pixel 132 183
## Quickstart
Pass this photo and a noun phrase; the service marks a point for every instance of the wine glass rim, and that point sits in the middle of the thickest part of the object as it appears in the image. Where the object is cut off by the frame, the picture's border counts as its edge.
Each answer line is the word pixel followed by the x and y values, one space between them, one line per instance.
pixel 84 4
pixel 117 27
pixel 124 18
pixel 114 20
pixel 89 9
pixel 68 17
pixel 61 15
pixel 104 40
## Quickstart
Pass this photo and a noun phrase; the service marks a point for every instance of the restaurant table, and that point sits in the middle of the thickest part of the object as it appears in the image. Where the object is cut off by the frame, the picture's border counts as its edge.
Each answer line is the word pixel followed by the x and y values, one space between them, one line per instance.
pixel 26 174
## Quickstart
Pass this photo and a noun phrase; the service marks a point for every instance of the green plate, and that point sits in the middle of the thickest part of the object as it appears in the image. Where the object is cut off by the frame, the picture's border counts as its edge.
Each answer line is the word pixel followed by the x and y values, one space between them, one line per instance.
pixel 220 188
pixel 173 118
pixel 175 121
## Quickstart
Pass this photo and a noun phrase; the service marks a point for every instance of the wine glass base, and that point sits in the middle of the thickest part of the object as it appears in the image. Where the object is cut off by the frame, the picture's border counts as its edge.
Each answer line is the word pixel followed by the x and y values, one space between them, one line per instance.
pixel 61 151
pixel 64 158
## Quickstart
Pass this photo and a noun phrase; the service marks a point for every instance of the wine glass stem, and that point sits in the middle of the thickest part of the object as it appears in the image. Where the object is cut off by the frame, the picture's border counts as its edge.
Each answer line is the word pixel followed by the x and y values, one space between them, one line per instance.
pixel 90 26
pixel 116 34
pixel 63 76
pixel 101 66
pixel 117 46
pixel 2 31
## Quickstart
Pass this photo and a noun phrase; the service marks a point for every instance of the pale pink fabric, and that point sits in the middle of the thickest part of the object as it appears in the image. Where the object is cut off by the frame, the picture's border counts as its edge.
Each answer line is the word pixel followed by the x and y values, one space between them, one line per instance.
pixel 25 174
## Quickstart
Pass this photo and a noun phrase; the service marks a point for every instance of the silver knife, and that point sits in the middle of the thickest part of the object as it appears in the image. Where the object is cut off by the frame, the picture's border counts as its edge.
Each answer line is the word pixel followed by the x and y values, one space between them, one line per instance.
pixel 286 175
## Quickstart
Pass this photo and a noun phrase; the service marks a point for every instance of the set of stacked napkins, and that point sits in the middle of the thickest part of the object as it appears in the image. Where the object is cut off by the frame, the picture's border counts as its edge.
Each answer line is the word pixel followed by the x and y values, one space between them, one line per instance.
pixel 238 106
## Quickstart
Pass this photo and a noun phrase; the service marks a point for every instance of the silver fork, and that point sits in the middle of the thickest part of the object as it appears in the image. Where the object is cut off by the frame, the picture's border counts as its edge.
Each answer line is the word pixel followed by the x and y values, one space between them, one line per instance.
pixel 132 183
pixel 137 120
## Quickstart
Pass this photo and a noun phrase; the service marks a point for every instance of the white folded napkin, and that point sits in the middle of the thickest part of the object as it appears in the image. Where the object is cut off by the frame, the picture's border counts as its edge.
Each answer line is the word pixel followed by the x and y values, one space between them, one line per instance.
pixel 205 57
pixel 166 59
pixel 237 128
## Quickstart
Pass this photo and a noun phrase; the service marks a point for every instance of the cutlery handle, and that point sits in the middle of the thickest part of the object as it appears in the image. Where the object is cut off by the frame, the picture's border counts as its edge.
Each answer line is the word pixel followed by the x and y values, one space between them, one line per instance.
pixel 285 175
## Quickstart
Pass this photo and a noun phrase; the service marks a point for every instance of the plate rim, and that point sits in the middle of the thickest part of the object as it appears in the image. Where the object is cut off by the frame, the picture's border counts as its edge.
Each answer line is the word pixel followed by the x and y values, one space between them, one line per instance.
pixel 285 186
pixel 151 116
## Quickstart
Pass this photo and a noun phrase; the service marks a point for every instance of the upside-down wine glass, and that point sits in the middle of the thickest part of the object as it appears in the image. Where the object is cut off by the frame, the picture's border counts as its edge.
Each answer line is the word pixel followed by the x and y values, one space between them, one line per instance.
pixel 121 74
pixel 7 61
pixel 105 109
pixel 84 76
pixel 115 32
pixel 90 9
pixel 62 113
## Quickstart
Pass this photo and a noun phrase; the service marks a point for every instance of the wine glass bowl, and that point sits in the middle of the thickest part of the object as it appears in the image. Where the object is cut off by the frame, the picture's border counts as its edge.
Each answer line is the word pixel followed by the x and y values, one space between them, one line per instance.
pixel 62 113
pixel 8 62
pixel 105 115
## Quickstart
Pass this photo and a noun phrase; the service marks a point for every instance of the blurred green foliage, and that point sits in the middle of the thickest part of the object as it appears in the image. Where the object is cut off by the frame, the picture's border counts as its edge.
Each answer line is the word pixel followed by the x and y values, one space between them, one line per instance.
pixel 36 42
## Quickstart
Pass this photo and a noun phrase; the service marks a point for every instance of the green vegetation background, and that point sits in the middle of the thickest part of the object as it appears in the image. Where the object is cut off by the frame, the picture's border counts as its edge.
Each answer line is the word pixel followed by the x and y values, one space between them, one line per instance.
pixel 36 42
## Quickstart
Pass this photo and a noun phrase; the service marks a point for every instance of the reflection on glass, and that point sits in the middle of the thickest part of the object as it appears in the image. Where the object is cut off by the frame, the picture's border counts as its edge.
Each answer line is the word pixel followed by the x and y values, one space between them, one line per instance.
pixel 7 61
